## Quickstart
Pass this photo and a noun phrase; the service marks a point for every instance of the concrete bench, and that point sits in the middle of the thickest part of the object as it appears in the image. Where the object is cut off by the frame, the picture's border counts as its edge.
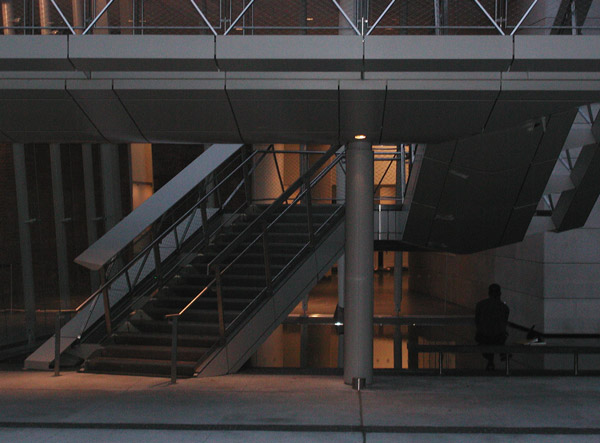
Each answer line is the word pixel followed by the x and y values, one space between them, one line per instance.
pixel 506 349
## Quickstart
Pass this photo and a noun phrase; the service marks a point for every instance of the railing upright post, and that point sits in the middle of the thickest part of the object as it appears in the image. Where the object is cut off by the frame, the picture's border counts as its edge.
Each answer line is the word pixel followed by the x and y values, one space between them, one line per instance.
pixel 105 302
pixel 157 265
pixel 267 259
pixel 220 304
pixel 174 350
pixel 309 212
pixel 576 362
pixel 441 362
pixel 246 173
pixel 57 345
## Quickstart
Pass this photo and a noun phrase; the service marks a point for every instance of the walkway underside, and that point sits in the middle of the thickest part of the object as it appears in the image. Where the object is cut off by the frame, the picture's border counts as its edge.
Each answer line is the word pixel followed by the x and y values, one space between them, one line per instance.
pixel 309 89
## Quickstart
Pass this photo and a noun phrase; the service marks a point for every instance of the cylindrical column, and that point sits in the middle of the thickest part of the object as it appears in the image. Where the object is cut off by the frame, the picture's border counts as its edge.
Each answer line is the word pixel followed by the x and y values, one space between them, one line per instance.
pixel 59 226
pixel 358 297
pixel 78 10
pixel 340 198
pixel 111 185
pixel 90 204
pixel 25 239
pixel 45 20
pixel 8 18
pixel 349 7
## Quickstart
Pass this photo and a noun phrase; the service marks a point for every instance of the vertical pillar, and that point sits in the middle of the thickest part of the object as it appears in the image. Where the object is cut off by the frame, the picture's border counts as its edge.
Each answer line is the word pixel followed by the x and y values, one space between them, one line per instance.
pixel 111 185
pixel 358 296
pixel 90 204
pixel 45 19
pixel 25 240
pixel 78 18
pixel 59 226
pixel 340 197
pixel 349 7
pixel 8 18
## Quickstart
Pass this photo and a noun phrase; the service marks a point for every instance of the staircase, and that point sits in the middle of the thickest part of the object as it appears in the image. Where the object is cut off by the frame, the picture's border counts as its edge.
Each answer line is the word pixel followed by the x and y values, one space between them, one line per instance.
pixel 142 344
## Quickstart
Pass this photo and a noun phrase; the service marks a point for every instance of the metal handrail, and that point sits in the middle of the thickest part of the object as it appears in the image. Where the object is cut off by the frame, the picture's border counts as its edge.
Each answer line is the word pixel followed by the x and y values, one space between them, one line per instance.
pixel 216 263
pixel 278 202
pixel 154 244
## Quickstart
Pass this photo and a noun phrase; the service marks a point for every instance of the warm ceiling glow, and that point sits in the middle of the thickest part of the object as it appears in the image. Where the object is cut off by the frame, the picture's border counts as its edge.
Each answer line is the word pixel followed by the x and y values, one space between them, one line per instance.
pixel 309 19
pixel 360 137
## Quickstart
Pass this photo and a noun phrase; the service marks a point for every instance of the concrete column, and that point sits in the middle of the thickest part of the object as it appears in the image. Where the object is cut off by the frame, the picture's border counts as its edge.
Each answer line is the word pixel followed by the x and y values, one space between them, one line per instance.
pixel 111 185
pixel 340 197
pixel 358 296
pixel 266 186
pixel 59 226
pixel 45 21
pixel 349 7
pixel 78 18
pixel 25 239
pixel 90 205
pixel 8 17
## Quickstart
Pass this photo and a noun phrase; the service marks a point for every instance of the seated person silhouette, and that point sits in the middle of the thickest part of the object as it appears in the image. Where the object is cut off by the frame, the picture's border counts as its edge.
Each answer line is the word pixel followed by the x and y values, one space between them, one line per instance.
pixel 491 319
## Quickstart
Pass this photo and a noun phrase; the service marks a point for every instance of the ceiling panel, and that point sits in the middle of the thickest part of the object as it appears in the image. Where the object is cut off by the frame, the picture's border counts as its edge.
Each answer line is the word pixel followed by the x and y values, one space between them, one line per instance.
pixel 187 111
pixel 42 111
pixel 361 109
pixel 103 107
pixel 285 110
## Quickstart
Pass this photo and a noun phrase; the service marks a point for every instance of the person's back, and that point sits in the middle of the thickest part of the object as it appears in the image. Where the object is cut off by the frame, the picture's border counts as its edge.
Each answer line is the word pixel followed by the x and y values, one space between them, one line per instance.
pixel 491 319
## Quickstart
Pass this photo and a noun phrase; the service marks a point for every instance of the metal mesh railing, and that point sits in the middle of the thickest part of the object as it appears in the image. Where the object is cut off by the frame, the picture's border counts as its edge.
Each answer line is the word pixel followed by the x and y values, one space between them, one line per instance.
pixel 298 17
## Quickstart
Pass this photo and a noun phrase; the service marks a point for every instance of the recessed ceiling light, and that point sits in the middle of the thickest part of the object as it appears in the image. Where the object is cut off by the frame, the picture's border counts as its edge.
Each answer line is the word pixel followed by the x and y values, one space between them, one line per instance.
pixel 360 137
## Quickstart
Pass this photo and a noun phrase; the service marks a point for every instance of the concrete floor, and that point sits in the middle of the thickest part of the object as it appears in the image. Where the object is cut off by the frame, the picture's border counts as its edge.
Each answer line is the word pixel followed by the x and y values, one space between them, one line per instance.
pixel 37 406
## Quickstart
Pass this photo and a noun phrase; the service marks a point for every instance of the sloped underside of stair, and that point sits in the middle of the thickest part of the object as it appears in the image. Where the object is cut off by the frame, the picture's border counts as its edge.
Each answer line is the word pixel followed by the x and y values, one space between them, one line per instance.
pixel 142 344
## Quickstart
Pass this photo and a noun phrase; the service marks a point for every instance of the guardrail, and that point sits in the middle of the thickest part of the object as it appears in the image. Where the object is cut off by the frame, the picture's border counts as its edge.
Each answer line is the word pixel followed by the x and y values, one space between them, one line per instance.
pixel 313 17
pixel 256 233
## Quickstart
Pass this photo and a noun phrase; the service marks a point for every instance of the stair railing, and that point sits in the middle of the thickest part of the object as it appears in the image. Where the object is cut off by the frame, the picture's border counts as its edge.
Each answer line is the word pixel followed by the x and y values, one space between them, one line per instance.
pixel 229 189
pixel 299 193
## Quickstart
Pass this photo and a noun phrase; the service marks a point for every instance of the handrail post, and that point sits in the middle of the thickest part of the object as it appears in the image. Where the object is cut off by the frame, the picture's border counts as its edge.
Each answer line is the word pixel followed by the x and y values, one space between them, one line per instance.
pixel 441 361
pixel 311 232
pixel 174 350
pixel 246 173
pixel 220 304
pixel 576 362
pixel 105 302
pixel 267 259
pixel 507 363
pixel 57 345
pixel 157 266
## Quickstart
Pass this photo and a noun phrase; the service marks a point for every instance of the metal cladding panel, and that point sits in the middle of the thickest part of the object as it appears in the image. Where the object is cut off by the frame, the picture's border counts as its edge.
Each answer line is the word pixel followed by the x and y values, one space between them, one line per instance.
pixel 103 107
pixel 574 206
pixel 556 53
pixel 43 111
pixel 535 183
pixel 518 224
pixel 557 130
pixel 188 111
pixel 4 138
pixel 435 53
pixel 34 53
pixel 285 110
pixel 289 53
pixel 528 96
pixel 418 224
pixel 142 52
pixel 361 108
pixel 458 107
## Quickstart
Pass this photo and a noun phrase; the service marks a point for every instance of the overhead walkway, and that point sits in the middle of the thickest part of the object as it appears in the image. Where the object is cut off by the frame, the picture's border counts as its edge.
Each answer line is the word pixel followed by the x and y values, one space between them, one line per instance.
pixel 260 89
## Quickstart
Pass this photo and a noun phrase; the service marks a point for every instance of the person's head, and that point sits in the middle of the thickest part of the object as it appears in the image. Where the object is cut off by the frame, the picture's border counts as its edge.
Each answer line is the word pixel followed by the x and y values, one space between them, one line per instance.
pixel 494 290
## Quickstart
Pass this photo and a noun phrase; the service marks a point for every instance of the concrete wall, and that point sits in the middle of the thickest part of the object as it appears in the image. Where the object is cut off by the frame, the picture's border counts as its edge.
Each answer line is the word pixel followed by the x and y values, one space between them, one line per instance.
pixel 550 280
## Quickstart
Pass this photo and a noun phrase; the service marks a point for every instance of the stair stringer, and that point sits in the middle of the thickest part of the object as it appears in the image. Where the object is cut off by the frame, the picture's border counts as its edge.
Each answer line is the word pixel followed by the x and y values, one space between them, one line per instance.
pixel 248 338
